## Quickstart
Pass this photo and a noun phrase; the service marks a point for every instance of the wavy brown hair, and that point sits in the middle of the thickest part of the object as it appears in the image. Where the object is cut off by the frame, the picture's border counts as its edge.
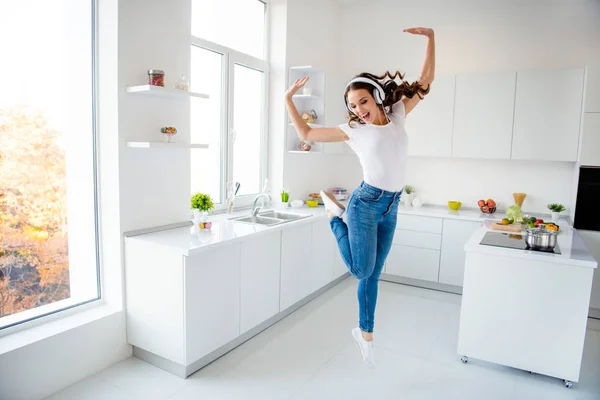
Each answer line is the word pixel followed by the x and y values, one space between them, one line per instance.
pixel 393 91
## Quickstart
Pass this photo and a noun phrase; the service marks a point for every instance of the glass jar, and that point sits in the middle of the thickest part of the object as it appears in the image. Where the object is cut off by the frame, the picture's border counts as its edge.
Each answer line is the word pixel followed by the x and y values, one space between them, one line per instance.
pixel 156 77
pixel 182 83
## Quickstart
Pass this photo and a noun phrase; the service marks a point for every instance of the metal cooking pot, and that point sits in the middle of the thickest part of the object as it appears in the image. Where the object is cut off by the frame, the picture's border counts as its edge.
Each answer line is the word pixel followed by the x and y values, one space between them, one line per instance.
pixel 541 239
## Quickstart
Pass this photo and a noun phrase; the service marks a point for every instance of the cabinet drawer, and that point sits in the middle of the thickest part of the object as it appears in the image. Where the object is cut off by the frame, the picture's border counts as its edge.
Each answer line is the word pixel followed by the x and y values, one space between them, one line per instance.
pixel 418 223
pixel 418 239
pixel 413 262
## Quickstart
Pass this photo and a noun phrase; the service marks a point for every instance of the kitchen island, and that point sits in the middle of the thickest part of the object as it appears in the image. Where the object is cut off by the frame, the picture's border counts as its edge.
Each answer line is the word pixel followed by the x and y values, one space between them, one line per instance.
pixel 527 309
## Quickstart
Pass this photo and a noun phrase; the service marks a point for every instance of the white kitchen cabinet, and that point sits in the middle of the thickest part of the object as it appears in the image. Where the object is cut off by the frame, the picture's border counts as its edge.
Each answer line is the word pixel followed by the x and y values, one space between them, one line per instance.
pixel 590 140
pixel 413 262
pixel 322 254
pixel 419 223
pixel 455 235
pixel 592 89
pixel 592 241
pixel 424 240
pixel 339 266
pixel 259 279
pixel 211 299
pixel 483 115
pixel 547 115
pixel 429 124
pixel 295 265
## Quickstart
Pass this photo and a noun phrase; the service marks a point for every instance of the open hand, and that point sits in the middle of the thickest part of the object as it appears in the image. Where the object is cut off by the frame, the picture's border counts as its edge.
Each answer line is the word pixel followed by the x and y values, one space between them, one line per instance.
pixel 297 85
pixel 420 31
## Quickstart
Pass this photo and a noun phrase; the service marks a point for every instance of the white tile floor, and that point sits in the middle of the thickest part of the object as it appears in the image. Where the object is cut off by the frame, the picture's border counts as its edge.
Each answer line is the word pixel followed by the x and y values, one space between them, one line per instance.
pixel 311 355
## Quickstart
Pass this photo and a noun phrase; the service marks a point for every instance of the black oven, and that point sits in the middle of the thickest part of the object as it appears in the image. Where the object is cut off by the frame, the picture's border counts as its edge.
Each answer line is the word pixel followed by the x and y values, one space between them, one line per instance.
pixel 587 206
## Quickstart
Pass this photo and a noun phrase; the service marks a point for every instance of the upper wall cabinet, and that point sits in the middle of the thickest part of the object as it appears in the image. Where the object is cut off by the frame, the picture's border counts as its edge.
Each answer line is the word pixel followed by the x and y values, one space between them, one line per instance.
pixel 429 125
pixel 590 140
pixel 547 115
pixel 592 89
pixel 483 115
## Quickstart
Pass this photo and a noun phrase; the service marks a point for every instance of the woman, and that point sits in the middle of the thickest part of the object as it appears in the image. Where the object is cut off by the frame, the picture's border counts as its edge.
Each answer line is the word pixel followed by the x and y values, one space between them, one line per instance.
pixel 375 131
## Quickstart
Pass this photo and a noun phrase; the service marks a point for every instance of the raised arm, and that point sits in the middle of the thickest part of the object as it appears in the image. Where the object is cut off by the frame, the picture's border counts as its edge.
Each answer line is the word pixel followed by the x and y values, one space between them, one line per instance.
pixel 302 128
pixel 428 69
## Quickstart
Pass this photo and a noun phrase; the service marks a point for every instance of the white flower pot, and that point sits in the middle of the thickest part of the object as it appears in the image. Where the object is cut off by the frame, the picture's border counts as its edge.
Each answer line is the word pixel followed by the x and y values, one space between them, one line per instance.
pixel 555 216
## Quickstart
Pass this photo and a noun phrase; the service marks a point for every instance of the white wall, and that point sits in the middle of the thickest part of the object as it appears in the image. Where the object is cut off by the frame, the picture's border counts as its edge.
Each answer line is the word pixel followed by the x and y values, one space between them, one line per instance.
pixel 471 36
pixel 312 39
pixel 155 183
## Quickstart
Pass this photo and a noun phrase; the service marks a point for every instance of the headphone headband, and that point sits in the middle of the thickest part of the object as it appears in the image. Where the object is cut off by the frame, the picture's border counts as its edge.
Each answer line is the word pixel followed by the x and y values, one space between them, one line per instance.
pixel 378 92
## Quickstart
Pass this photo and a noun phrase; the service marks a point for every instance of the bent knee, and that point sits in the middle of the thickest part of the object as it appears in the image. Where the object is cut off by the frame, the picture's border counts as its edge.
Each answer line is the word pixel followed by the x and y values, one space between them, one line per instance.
pixel 362 273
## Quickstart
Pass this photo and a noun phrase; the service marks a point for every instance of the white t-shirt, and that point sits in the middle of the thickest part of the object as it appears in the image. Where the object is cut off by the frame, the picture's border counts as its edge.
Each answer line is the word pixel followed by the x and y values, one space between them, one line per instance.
pixel 381 149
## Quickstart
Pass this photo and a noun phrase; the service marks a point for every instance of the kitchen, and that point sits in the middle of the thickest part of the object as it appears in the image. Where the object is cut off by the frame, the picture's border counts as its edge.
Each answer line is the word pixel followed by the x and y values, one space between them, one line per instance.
pixel 465 146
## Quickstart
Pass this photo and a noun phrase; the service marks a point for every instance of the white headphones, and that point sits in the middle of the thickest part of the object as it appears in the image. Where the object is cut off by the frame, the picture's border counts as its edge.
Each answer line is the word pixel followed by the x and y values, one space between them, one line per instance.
pixel 378 93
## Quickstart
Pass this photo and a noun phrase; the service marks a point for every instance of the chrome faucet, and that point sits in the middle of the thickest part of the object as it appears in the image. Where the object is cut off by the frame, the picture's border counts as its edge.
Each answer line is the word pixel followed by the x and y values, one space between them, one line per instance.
pixel 255 209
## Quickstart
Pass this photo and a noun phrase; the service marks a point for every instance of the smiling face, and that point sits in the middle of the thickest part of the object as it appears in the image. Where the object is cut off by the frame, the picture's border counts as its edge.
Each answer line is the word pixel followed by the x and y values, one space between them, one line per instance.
pixel 363 105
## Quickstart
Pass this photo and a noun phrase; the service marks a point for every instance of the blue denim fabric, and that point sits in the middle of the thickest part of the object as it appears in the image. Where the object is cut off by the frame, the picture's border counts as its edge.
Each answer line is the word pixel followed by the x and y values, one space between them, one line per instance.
pixel 365 242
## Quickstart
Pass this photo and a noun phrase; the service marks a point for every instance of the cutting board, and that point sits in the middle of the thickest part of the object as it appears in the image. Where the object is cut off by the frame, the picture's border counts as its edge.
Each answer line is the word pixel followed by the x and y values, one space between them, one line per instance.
pixel 516 227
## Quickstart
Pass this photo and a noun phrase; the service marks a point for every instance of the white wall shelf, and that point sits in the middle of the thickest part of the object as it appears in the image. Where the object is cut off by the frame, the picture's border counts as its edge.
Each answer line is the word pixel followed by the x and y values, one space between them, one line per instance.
pixel 307 103
pixel 160 91
pixel 305 97
pixel 305 68
pixel 311 125
pixel 146 145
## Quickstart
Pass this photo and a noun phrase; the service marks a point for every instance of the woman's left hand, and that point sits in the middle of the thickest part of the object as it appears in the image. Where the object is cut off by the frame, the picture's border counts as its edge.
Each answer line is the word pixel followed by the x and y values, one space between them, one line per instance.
pixel 420 31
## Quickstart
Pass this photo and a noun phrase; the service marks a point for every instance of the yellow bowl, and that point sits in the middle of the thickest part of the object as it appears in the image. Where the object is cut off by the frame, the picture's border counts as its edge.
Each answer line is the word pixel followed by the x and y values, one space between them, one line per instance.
pixel 312 203
pixel 454 205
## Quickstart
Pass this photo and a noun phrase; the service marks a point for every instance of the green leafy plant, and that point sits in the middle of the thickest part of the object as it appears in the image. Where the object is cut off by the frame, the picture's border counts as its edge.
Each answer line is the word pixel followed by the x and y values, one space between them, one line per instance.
pixel 285 196
pixel 556 207
pixel 202 202
pixel 408 189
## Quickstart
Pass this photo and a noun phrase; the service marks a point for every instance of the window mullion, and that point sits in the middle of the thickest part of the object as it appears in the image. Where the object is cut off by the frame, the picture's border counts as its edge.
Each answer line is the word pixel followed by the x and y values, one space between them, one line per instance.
pixel 230 134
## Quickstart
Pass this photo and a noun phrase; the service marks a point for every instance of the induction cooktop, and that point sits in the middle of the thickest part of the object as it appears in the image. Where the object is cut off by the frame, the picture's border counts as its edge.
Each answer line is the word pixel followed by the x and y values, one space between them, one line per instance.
pixel 512 241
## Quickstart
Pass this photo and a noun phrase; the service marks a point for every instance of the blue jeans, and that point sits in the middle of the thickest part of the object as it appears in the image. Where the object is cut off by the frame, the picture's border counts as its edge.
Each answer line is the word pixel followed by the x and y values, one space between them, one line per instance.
pixel 365 241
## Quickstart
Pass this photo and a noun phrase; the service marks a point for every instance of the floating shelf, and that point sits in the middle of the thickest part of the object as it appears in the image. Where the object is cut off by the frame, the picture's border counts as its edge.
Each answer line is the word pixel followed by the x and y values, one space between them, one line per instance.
pixel 311 125
pixel 146 145
pixel 307 68
pixel 159 91
pixel 303 152
pixel 305 96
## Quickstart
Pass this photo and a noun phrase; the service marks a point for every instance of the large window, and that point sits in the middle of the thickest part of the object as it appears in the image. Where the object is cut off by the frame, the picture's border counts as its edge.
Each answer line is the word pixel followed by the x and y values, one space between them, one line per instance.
pixel 48 229
pixel 229 65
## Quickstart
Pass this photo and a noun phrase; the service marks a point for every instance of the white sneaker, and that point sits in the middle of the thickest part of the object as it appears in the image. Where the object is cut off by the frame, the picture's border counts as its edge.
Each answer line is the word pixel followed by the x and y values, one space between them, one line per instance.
pixel 366 348
pixel 332 204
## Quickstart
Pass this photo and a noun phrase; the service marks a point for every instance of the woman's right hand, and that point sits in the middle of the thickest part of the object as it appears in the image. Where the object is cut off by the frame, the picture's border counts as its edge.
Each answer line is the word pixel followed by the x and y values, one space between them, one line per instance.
pixel 295 87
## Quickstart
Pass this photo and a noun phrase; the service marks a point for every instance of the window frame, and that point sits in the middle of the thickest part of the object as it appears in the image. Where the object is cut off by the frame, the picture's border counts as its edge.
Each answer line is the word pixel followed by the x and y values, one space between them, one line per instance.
pixel 67 307
pixel 230 58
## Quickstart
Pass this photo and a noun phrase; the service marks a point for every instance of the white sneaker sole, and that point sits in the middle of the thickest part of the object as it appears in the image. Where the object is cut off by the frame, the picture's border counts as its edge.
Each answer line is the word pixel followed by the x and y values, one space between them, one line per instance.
pixel 332 204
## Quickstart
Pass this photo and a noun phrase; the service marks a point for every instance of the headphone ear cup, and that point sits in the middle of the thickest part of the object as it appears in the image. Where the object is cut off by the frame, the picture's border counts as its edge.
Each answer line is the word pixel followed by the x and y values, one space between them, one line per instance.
pixel 377 96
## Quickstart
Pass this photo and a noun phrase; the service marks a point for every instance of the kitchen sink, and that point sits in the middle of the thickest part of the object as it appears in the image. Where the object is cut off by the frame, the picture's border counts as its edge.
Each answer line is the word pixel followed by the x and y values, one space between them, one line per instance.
pixel 283 215
pixel 259 220
pixel 269 218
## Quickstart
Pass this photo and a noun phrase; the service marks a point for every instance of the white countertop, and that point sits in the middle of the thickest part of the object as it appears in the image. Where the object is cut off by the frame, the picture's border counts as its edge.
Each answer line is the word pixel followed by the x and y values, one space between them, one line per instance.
pixel 573 250
pixel 224 230
pixel 445 212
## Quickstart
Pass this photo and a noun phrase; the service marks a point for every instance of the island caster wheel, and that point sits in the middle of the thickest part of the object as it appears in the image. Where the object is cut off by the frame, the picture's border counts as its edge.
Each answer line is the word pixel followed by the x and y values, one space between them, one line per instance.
pixel 464 359
pixel 568 384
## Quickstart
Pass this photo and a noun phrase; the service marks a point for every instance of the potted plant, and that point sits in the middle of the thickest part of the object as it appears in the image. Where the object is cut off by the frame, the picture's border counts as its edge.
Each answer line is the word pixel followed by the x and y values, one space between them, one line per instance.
pixel 201 204
pixel 408 194
pixel 555 209
pixel 285 197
